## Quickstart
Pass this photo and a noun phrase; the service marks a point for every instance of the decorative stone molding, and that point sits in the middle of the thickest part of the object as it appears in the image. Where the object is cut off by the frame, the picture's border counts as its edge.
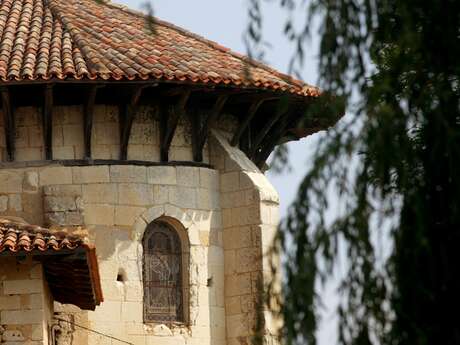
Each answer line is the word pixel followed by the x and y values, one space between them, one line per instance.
pixel 170 214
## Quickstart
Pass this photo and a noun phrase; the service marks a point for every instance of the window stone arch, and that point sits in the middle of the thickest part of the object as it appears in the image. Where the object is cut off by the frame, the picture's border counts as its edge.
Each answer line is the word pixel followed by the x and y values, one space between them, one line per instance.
pixel 165 272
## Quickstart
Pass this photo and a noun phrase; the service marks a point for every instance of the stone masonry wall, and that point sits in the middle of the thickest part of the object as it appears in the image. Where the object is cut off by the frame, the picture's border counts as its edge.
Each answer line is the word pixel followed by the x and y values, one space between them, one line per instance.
pixel 228 216
pixel 25 303
pixel 250 218
pixel 68 141
pixel 117 203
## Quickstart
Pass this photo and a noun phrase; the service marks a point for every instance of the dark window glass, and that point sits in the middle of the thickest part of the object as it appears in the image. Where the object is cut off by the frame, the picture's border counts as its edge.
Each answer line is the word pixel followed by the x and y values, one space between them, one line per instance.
pixel 162 274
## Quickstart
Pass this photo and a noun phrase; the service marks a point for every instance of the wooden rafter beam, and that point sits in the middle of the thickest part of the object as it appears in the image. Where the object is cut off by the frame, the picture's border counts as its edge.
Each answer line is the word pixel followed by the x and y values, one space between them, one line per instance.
pixel 270 141
pixel 88 114
pixel 169 118
pixel 194 116
pixel 281 110
pixel 127 114
pixel 245 123
pixel 8 123
pixel 47 120
pixel 200 128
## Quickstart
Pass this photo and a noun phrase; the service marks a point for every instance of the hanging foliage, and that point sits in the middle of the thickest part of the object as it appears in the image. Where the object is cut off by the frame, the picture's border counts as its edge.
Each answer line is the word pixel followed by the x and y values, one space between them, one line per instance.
pixel 394 160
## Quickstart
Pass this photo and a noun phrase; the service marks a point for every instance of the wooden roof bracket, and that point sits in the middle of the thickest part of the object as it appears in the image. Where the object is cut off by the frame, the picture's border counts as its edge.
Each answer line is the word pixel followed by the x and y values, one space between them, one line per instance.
pixel 281 109
pixel 8 123
pixel 169 118
pixel 270 141
pixel 245 123
pixel 47 121
pixel 127 113
pixel 200 128
pixel 88 114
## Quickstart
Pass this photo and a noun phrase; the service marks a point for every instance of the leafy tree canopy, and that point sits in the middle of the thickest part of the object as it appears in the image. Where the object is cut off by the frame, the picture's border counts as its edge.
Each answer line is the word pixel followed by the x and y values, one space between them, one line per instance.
pixel 396 64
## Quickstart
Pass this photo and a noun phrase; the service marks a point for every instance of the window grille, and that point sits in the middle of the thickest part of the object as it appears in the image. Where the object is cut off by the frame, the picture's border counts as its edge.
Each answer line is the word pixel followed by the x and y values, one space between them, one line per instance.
pixel 162 273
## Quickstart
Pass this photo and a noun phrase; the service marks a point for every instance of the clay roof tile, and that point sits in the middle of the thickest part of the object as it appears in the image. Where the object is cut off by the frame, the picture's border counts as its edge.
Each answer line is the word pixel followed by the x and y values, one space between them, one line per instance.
pixel 17 237
pixel 91 39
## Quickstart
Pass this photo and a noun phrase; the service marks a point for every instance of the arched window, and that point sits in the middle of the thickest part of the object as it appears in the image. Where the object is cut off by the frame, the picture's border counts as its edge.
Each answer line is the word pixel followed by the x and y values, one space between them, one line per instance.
pixel 162 274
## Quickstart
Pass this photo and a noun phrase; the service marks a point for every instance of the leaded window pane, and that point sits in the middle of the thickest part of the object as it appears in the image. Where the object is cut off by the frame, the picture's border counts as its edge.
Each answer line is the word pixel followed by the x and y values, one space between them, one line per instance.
pixel 162 274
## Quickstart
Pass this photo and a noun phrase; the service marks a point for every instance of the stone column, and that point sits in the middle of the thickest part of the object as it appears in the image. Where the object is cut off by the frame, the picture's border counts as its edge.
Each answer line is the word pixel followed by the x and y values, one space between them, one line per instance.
pixel 250 218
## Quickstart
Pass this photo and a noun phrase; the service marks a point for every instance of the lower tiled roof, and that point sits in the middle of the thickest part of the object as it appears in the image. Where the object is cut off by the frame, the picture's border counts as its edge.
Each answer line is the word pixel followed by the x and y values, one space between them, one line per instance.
pixel 16 237
pixel 70 264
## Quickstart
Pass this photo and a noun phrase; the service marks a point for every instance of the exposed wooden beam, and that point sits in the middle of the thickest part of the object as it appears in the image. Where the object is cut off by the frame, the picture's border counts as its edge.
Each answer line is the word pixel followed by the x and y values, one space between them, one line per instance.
pixel 169 118
pixel 200 130
pixel 244 124
pixel 271 140
pixel 175 91
pixel 213 115
pixel 88 114
pixel 194 116
pixel 281 109
pixel 47 117
pixel 8 123
pixel 127 113
pixel 246 139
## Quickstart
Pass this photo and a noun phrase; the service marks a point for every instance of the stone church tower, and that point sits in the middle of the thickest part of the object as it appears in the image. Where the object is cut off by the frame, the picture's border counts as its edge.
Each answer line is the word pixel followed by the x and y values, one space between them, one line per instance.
pixel 138 157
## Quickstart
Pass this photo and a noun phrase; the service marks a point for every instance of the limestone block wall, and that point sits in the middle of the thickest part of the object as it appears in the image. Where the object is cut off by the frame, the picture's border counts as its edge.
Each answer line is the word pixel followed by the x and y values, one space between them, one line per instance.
pixel 228 216
pixel 25 302
pixel 249 218
pixel 68 139
pixel 117 203
pixel 29 134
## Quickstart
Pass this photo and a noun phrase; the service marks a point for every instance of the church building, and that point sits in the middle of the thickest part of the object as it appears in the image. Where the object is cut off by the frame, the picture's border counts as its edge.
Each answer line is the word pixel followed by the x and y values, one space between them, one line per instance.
pixel 134 208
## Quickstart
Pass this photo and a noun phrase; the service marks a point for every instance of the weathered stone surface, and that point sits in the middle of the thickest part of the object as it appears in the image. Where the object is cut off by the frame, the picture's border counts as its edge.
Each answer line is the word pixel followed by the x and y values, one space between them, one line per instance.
pixel 55 218
pixel 11 302
pixel 209 178
pixel 186 197
pixel 162 331
pixel 162 175
pixel 98 214
pixel 128 173
pixel 64 152
pixel 11 287
pixel 13 336
pixel 161 194
pixel 73 134
pixel 20 317
pixel 100 193
pixel 127 215
pixel 15 202
pixel 135 194
pixel 73 218
pixel 60 203
pixel 188 176
pixel 229 181
pixel 63 190
pixel 11 181
pixel 3 203
pixel 91 174
pixel 55 176
pixel 30 183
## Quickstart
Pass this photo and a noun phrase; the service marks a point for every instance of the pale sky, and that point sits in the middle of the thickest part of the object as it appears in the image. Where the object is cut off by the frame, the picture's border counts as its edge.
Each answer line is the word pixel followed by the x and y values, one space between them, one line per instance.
pixel 224 22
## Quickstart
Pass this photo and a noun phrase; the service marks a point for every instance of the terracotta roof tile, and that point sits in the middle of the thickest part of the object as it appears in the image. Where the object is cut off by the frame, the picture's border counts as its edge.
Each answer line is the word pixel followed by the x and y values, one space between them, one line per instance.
pixel 87 39
pixel 73 280
pixel 16 237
